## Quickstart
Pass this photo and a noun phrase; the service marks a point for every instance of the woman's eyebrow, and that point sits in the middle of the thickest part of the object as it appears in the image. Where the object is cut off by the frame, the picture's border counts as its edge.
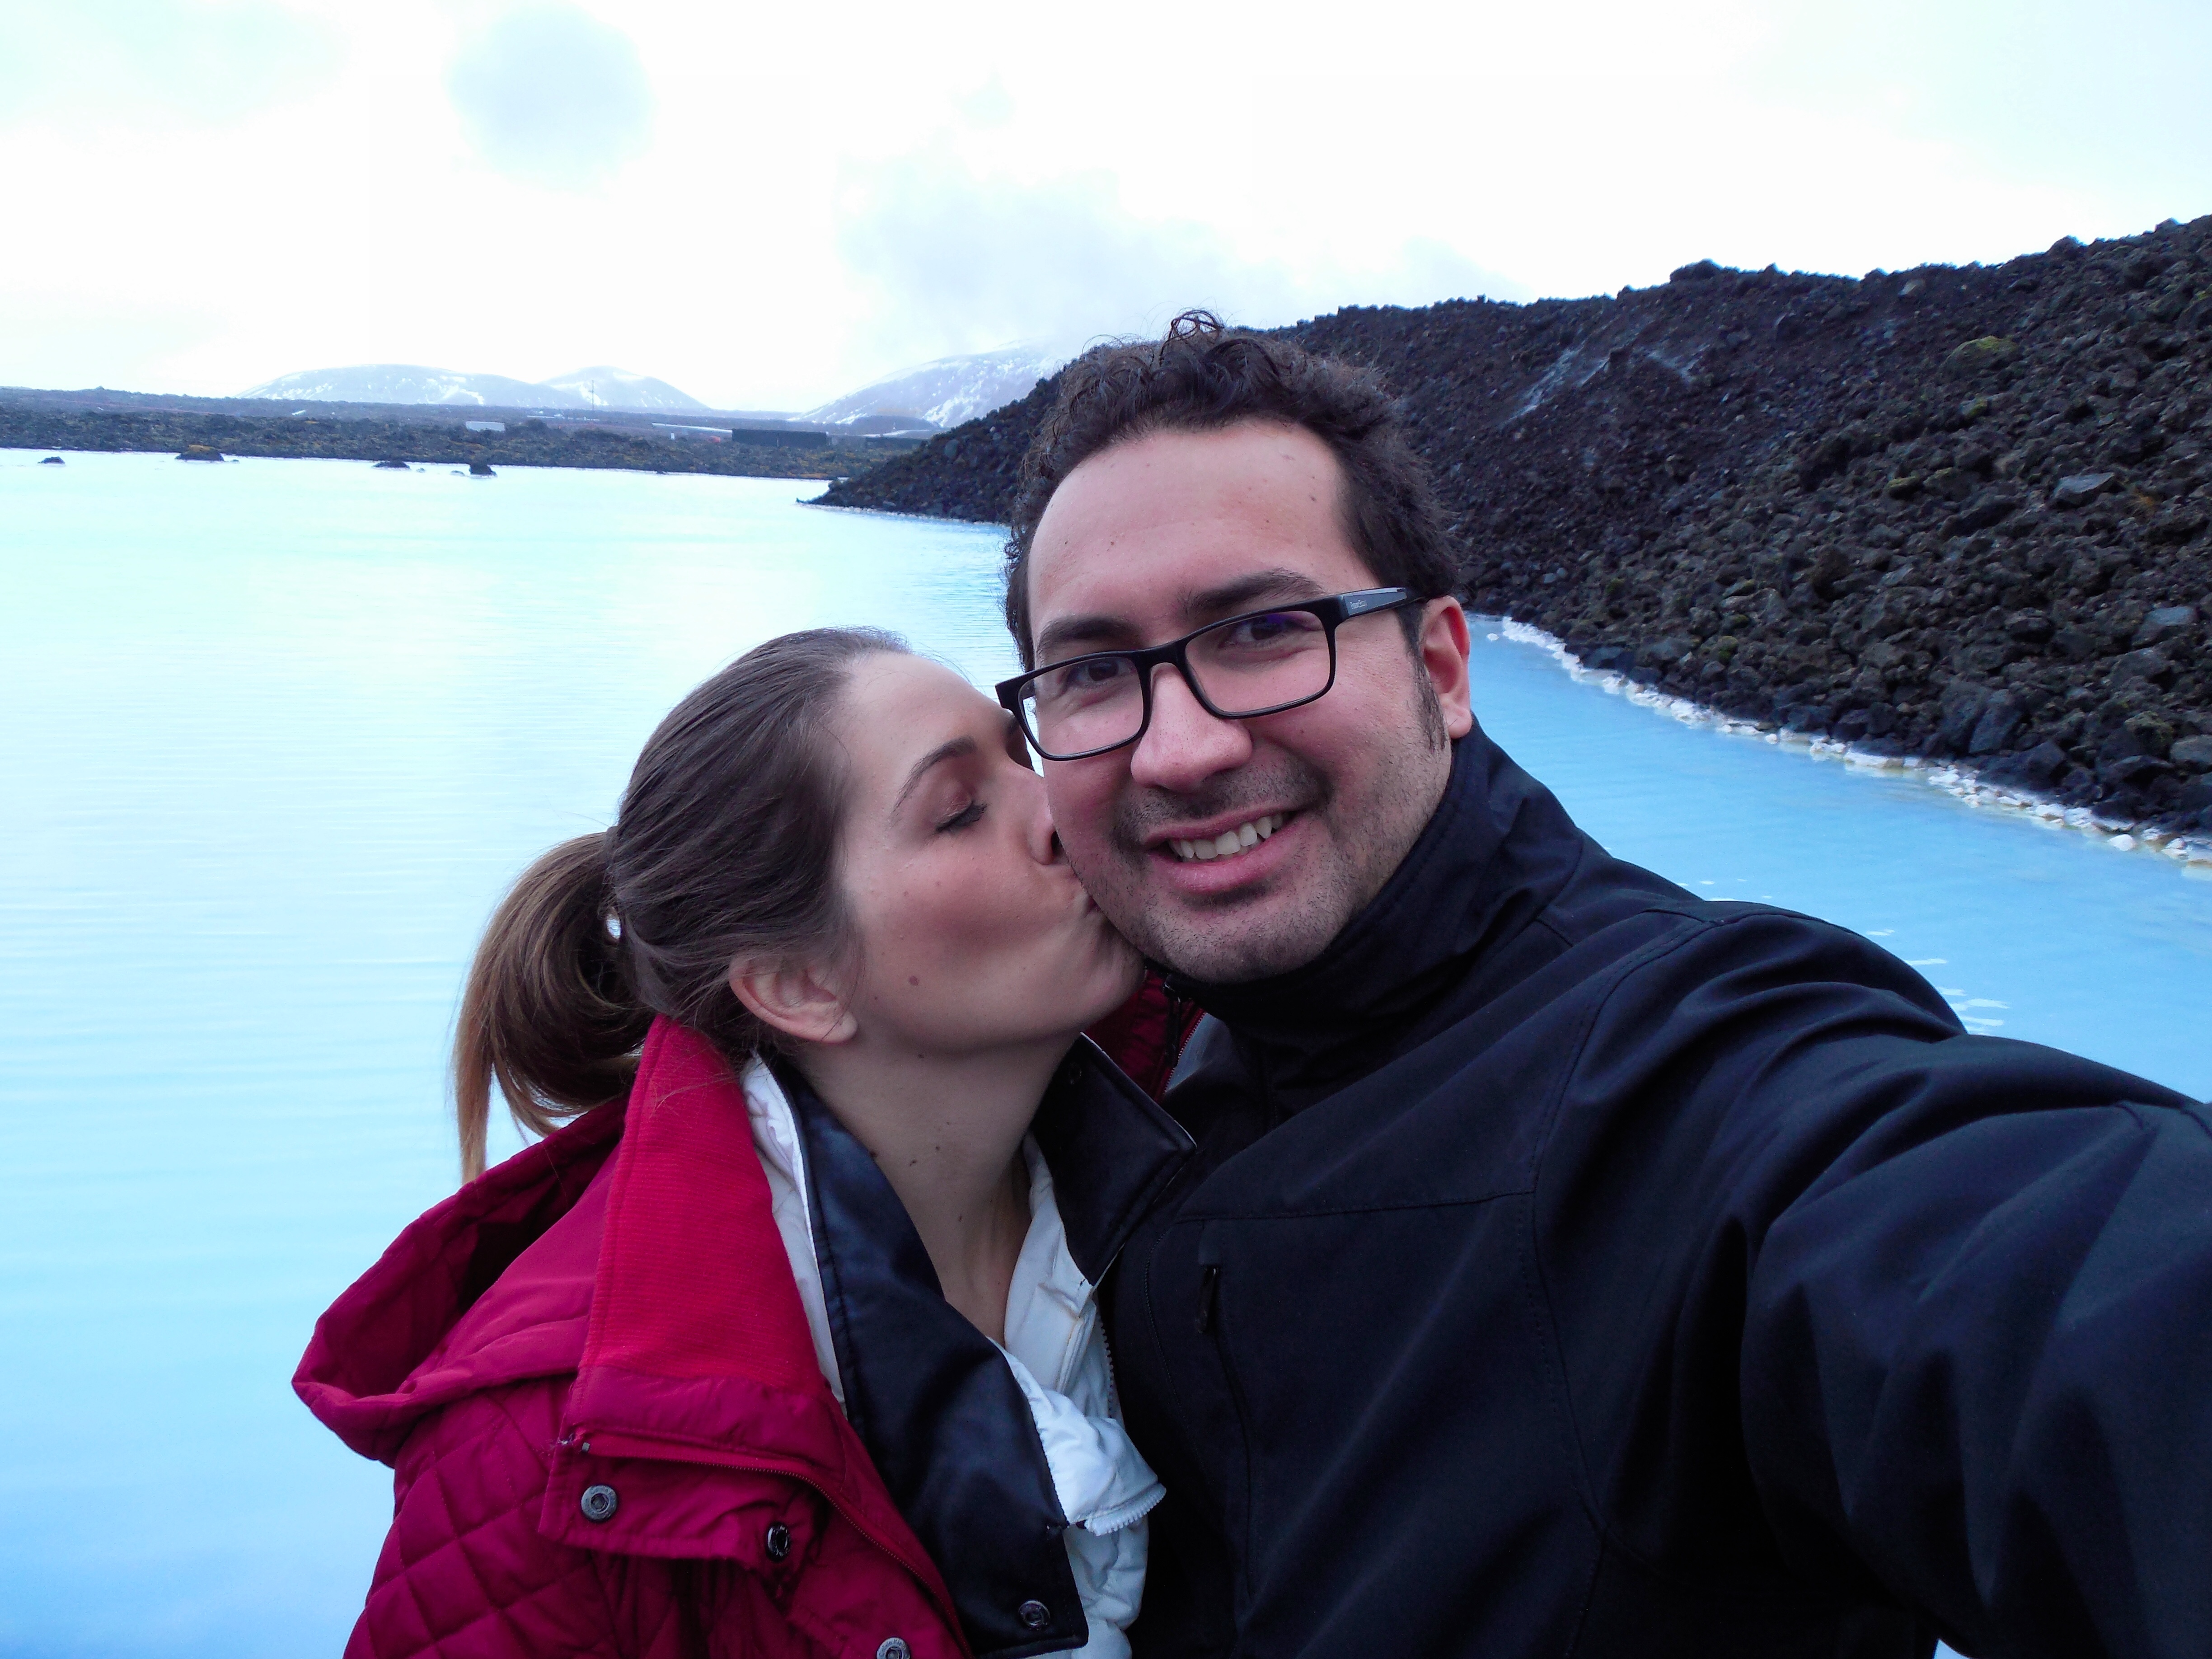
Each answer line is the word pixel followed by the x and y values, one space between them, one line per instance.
pixel 951 750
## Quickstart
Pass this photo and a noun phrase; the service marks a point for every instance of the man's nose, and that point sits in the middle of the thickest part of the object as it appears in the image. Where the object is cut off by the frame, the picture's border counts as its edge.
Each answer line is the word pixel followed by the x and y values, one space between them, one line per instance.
pixel 1184 745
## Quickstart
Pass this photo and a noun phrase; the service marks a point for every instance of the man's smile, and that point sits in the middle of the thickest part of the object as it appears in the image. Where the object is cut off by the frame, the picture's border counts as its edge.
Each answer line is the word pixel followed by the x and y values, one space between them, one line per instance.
pixel 1230 843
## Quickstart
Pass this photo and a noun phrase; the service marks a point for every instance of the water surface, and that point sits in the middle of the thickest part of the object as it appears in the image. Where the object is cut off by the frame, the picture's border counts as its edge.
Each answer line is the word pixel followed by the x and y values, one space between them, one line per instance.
pixel 277 734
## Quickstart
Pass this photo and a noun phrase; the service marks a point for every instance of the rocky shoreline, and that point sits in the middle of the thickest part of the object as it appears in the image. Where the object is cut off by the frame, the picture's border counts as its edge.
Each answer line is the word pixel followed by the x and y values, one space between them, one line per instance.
pixel 525 442
pixel 1961 514
pixel 1959 780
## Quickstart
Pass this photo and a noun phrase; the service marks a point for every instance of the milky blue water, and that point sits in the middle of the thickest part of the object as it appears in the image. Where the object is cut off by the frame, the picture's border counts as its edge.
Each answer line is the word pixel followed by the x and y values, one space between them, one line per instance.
pixel 273 735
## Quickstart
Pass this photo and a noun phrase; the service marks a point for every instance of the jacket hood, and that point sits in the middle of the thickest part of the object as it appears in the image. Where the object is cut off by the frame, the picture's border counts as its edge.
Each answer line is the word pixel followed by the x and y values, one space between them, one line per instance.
pixel 418 1331
pixel 1497 851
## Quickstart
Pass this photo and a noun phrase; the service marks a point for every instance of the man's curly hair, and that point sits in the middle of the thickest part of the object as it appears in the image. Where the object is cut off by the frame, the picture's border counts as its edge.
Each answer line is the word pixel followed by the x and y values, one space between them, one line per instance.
pixel 1201 376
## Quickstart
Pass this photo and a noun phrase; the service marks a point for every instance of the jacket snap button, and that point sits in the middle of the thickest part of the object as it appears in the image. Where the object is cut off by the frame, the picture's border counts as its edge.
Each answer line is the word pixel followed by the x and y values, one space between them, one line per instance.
pixel 894 1649
pixel 779 1541
pixel 599 1502
pixel 1035 1614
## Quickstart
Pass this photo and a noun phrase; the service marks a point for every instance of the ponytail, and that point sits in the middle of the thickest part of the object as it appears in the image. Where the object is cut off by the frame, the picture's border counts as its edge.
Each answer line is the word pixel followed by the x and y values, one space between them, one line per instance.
pixel 725 847
pixel 547 1013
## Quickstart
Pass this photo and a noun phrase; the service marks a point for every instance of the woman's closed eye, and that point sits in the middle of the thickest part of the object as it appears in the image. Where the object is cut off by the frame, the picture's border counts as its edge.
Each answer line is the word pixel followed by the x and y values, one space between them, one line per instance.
pixel 970 814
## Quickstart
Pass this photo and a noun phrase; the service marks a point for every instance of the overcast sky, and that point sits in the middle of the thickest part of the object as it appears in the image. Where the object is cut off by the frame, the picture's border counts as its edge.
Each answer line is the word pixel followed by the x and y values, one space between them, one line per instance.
pixel 770 205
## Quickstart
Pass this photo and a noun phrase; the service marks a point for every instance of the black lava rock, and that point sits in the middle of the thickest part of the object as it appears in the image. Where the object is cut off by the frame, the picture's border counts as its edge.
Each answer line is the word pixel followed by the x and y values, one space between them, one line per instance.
pixel 1782 493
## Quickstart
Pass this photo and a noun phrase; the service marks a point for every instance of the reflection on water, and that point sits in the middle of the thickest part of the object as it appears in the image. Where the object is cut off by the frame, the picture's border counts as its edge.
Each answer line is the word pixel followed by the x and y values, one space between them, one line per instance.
pixel 277 735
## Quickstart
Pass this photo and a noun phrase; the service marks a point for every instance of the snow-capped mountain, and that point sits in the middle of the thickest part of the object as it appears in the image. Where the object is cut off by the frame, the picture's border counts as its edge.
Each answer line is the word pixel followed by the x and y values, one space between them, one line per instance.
pixel 948 390
pixel 410 383
pixel 618 388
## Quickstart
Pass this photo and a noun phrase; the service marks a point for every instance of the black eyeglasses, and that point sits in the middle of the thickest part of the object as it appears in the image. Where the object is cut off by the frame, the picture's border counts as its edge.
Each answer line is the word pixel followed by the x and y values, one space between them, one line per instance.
pixel 1260 663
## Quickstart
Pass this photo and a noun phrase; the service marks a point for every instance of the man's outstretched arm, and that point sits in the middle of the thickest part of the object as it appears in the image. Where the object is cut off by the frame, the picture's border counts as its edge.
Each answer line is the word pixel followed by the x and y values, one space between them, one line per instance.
pixel 1978 1353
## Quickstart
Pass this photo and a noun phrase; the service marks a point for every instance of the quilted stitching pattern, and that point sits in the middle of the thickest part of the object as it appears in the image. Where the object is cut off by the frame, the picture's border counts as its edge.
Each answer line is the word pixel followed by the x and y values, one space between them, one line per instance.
pixel 465 1574
pixel 464 1570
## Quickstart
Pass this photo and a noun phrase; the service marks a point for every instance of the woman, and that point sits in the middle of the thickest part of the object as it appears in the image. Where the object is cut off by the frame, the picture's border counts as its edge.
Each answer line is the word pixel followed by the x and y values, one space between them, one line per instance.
pixel 785 1344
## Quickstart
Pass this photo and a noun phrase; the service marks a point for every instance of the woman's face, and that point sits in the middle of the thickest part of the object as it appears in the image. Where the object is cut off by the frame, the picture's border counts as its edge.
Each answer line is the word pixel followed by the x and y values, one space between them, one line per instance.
pixel 972 930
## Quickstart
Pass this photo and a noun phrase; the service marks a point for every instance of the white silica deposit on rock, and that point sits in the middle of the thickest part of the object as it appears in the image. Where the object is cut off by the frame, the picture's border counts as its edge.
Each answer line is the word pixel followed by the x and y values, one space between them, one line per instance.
pixel 1962 783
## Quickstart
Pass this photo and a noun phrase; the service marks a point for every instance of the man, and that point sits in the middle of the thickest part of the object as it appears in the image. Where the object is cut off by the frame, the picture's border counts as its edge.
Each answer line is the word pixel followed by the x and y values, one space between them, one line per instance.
pixel 1568 1265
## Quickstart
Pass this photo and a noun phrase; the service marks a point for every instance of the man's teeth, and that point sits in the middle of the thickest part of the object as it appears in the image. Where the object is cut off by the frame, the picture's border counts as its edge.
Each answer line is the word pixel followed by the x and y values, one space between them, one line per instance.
pixel 1228 840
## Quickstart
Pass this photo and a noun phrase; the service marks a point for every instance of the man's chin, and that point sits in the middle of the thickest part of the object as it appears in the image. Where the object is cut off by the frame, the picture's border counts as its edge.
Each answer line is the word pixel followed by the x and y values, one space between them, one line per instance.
pixel 1234 941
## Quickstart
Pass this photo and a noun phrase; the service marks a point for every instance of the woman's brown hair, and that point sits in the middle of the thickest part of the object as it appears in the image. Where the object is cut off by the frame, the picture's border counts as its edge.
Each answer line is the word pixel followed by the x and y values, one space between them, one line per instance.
pixel 724 846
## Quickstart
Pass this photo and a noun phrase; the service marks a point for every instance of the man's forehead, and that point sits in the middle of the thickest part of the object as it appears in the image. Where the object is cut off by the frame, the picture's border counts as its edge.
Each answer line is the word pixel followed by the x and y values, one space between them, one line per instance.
pixel 1174 526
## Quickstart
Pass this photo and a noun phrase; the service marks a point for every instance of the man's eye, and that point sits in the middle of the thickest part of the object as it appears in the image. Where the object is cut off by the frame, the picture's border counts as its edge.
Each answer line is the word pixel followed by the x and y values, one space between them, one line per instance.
pixel 966 816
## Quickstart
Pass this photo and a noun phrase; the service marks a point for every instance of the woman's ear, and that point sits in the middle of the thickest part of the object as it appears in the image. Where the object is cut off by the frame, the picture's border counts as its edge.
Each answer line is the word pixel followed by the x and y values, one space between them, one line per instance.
pixel 795 1001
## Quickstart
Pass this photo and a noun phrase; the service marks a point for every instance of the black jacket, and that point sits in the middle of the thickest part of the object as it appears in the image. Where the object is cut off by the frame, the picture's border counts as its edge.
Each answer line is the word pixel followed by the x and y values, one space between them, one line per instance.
pixel 1572 1265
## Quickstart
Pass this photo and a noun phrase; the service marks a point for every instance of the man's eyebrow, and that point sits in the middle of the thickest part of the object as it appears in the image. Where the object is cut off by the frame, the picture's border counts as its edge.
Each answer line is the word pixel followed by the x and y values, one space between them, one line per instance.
pixel 1255 588
pixel 951 750
pixel 1069 636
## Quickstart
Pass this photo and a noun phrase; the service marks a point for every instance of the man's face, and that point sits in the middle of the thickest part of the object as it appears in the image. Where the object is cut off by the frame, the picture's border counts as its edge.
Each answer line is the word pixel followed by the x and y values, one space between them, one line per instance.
pixel 1153 538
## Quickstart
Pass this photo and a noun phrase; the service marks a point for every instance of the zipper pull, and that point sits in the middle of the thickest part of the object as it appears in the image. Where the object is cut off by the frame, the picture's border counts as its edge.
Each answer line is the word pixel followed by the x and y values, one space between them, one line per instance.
pixel 1208 1278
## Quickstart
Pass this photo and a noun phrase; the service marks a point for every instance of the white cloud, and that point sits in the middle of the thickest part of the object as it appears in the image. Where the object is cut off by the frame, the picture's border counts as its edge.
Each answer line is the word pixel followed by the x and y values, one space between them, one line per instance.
pixel 152 62
pixel 551 95
pixel 769 207
pixel 958 261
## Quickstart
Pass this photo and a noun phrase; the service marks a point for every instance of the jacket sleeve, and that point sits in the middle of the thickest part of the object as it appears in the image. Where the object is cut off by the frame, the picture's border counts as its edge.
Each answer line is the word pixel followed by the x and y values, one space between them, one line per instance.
pixel 464 1573
pixel 1920 1319
pixel 1977 1349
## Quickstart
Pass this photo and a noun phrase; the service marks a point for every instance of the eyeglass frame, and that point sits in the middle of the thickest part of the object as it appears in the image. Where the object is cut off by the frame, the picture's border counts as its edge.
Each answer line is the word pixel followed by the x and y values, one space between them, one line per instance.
pixel 1333 612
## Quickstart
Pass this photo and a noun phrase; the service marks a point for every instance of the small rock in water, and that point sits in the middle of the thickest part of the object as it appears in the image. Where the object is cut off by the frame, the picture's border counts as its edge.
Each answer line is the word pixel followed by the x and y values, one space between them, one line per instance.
pixel 481 470
pixel 394 466
pixel 52 460
pixel 199 453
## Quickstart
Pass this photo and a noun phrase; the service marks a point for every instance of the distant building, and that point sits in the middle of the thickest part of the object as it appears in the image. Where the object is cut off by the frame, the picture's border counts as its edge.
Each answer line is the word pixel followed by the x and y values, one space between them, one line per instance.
pixel 485 426
pixel 779 437
pixel 674 429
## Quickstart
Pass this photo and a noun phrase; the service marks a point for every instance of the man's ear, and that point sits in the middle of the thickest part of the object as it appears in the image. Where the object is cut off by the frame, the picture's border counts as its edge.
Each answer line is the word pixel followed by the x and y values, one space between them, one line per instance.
pixel 1444 647
pixel 794 1001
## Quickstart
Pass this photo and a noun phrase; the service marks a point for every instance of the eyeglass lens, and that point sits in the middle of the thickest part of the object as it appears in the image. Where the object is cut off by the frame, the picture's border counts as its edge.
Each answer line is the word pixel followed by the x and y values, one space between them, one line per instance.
pixel 1246 665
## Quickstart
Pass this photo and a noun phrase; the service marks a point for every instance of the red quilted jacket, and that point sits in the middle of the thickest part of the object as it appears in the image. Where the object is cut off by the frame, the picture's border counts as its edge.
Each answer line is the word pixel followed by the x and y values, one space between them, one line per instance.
pixel 592 1375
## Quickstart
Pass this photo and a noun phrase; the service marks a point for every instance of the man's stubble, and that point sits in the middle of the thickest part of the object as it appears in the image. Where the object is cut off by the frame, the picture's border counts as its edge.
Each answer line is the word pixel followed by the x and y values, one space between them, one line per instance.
pixel 1241 937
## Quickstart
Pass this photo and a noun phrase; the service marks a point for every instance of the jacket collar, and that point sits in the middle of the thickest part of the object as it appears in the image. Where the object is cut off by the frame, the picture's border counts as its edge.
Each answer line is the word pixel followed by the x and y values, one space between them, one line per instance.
pixel 942 1414
pixel 1112 1150
pixel 698 1351
pixel 1497 850
pixel 933 1400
